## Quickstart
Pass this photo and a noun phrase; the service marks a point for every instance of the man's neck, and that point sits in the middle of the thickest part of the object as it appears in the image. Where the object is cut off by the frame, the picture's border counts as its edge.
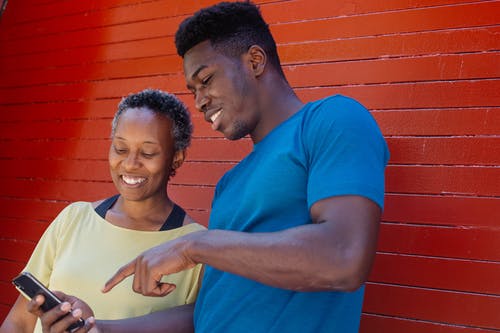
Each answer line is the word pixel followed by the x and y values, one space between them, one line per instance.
pixel 279 103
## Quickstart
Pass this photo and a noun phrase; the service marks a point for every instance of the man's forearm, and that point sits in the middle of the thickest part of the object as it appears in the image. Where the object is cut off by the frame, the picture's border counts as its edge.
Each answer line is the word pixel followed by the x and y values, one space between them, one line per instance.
pixel 174 320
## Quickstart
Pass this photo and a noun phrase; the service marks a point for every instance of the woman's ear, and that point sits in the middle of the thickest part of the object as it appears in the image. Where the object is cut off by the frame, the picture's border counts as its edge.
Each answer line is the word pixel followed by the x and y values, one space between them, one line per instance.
pixel 178 159
pixel 258 59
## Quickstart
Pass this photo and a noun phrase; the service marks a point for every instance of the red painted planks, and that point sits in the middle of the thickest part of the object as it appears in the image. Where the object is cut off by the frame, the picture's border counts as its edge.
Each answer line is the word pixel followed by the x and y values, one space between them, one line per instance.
pixel 474 243
pixel 382 71
pixel 151 47
pixel 75 110
pixel 446 150
pixel 94 129
pixel 21 229
pixel 314 9
pixel 434 94
pixel 417 20
pixel 473 121
pixel 199 215
pixel 200 173
pixel 219 150
pixel 192 197
pixel 56 169
pixel 58 149
pixel 10 269
pixel 10 294
pixel 16 250
pixel 449 180
pixel 31 209
pixel 52 18
pixel 50 10
pixel 433 305
pixel 372 323
pixel 28 11
pixel 394 45
pixel 437 273
pixel 442 210
pixel 57 190
pixel 74 39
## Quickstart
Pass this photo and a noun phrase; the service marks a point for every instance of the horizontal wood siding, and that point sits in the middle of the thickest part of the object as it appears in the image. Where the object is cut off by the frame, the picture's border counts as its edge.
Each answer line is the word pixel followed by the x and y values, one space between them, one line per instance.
pixel 428 70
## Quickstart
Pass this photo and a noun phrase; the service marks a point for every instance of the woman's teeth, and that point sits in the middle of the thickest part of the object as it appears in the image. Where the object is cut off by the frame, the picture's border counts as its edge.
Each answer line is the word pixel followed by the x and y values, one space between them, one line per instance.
pixel 133 180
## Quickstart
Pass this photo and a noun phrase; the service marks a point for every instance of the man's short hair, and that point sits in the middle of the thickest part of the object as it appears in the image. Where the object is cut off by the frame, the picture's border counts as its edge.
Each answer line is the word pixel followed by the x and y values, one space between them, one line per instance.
pixel 231 28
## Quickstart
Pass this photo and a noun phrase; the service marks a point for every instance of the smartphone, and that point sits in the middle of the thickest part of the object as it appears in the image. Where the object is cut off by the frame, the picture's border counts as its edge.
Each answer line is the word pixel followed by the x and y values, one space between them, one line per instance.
pixel 29 286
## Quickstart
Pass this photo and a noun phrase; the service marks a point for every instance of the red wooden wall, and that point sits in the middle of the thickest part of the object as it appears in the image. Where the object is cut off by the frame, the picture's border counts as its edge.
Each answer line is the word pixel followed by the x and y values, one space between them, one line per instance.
pixel 427 69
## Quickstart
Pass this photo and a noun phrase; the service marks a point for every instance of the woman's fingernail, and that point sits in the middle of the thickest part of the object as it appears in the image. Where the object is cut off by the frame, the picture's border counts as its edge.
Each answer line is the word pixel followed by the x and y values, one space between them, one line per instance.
pixel 65 306
pixel 77 313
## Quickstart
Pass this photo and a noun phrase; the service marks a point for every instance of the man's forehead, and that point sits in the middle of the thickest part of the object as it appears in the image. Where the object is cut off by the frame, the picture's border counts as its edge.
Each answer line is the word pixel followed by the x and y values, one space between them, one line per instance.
pixel 198 57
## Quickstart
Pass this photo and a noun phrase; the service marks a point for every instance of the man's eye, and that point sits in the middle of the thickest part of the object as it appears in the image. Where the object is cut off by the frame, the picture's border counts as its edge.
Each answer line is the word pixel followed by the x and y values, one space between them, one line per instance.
pixel 206 80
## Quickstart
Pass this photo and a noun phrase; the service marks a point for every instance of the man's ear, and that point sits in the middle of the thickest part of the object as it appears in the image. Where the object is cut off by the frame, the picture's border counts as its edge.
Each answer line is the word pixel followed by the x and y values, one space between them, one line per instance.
pixel 258 59
pixel 178 159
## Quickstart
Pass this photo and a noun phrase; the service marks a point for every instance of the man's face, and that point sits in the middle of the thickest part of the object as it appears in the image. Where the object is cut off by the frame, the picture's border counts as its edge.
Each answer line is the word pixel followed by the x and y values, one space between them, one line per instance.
pixel 224 90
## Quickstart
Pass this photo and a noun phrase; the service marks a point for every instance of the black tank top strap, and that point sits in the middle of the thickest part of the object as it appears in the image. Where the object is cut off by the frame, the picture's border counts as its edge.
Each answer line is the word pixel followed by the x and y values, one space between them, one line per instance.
pixel 175 219
pixel 105 205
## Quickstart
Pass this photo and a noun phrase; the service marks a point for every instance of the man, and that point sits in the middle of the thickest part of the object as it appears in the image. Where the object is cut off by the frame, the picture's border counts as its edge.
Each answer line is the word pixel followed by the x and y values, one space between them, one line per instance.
pixel 293 226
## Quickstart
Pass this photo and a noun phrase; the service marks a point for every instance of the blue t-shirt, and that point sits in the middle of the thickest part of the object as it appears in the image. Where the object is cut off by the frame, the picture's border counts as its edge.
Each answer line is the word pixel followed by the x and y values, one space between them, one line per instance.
pixel 330 147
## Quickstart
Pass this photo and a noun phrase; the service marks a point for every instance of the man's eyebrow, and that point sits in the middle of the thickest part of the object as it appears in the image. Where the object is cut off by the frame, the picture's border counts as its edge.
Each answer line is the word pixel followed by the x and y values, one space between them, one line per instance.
pixel 193 76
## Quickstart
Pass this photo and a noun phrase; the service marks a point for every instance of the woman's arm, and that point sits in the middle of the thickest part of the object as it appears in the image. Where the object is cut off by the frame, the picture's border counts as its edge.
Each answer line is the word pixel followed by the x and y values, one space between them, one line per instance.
pixel 19 320
pixel 174 320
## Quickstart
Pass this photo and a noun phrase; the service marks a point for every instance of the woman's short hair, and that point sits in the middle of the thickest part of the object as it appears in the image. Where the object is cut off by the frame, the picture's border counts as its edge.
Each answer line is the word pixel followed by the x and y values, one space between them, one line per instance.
pixel 164 104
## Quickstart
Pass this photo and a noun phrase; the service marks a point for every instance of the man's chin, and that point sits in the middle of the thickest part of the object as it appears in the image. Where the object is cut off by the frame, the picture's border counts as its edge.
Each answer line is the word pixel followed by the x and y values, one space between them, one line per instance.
pixel 234 135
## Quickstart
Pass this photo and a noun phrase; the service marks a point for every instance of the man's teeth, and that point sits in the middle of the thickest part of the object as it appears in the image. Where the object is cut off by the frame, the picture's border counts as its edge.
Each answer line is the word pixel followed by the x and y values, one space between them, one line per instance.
pixel 133 180
pixel 215 116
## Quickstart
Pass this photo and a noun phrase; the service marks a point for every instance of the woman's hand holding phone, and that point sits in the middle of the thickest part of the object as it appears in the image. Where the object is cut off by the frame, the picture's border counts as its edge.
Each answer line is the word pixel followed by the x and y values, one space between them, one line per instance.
pixel 59 318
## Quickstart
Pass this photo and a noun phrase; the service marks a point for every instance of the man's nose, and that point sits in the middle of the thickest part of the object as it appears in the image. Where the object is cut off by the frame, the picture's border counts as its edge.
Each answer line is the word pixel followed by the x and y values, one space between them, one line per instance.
pixel 201 101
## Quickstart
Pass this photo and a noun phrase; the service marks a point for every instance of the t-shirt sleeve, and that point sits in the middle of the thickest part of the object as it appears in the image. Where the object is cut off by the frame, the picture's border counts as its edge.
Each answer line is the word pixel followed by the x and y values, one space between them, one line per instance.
pixel 42 259
pixel 194 284
pixel 346 151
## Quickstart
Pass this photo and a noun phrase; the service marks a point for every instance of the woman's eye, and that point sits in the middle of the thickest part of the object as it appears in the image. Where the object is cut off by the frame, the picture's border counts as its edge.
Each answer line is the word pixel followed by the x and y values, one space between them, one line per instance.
pixel 149 155
pixel 120 150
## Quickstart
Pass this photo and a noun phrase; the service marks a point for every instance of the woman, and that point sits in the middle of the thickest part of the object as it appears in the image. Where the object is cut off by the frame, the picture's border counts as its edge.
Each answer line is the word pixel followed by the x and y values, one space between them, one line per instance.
pixel 87 242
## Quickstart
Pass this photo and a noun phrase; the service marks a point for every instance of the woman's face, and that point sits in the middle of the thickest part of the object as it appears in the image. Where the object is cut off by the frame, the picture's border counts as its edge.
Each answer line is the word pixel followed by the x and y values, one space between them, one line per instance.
pixel 142 154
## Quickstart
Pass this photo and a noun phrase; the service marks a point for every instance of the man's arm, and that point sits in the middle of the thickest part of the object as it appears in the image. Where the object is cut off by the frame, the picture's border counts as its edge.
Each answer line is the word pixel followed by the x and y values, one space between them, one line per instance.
pixel 174 320
pixel 334 253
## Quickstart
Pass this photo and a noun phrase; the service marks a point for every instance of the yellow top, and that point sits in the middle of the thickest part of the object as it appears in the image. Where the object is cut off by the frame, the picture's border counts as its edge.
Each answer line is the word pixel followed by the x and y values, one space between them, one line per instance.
pixel 80 251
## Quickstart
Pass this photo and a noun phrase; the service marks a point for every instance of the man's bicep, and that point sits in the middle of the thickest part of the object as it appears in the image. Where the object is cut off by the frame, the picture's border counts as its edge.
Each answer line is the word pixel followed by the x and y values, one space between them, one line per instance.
pixel 351 223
